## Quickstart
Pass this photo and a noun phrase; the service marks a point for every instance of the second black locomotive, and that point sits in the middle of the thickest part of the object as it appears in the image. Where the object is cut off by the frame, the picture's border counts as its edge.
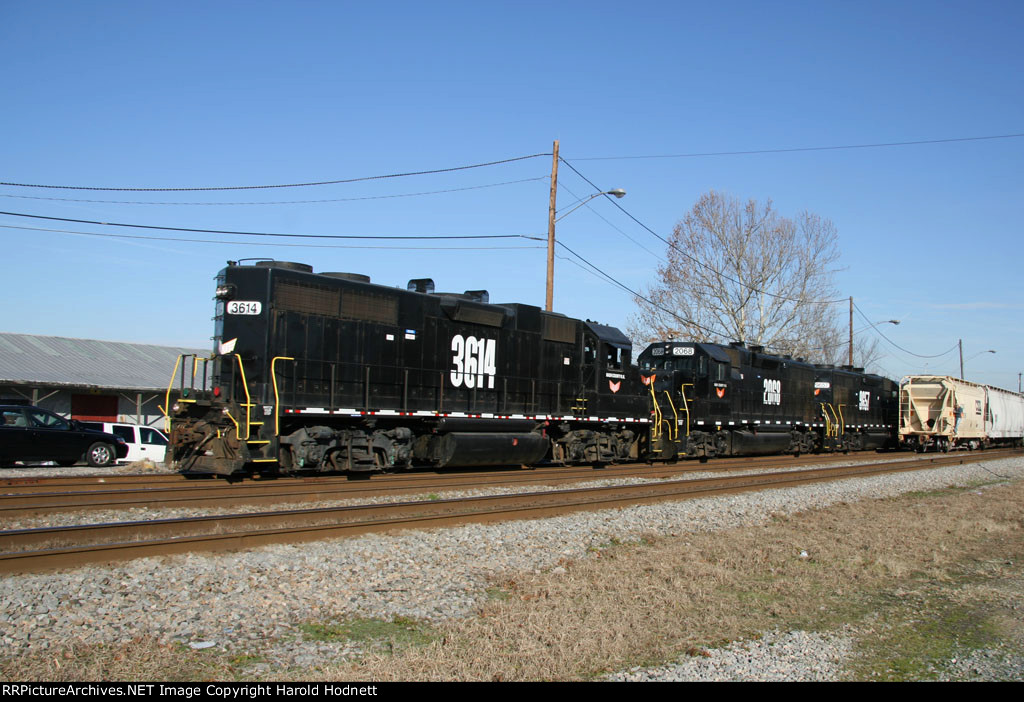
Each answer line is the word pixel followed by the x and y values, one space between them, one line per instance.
pixel 713 400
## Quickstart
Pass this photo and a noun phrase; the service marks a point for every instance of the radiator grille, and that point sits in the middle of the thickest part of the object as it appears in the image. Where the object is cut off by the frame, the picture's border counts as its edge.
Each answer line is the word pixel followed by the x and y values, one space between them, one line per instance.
pixel 310 299
pixel 370 308
pixel 559 329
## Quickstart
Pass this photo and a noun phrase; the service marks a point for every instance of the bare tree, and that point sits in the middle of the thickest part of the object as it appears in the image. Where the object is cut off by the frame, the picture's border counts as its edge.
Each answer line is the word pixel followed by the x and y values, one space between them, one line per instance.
pixel 741 271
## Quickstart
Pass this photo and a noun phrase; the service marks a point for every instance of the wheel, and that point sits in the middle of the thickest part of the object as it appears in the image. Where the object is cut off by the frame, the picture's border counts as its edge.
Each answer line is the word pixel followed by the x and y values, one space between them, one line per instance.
pixel 100 454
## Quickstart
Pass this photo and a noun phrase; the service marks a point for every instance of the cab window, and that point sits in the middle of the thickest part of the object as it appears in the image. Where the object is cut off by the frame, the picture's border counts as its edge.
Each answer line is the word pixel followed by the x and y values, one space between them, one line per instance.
pixel 612 356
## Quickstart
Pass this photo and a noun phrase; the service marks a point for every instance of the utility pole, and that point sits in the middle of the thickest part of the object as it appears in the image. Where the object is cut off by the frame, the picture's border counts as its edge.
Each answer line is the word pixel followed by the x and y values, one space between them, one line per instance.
pixel 960 343
pixel 549 297
pixel 851 331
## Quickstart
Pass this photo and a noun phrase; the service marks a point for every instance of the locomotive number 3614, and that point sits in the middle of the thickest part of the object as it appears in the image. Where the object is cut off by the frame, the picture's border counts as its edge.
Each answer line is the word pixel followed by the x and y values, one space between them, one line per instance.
pixel 473 359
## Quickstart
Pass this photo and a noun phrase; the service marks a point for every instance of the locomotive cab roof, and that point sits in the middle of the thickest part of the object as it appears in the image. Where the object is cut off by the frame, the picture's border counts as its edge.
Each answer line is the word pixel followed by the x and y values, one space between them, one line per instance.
pixel 667 349
pixel 609 335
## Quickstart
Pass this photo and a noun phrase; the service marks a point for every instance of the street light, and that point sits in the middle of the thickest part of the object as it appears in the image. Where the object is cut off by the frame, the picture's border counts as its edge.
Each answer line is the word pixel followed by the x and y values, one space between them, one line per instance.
pixel 888 321
pixel 960 343
pixel 617 192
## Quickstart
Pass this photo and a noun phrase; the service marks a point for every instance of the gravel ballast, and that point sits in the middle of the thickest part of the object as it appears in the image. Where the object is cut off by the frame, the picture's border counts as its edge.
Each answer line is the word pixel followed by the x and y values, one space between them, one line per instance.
pixel 255 601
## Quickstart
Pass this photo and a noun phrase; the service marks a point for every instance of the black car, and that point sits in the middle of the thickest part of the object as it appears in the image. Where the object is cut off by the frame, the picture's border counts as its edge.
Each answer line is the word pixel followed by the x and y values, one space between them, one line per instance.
pixel 30 433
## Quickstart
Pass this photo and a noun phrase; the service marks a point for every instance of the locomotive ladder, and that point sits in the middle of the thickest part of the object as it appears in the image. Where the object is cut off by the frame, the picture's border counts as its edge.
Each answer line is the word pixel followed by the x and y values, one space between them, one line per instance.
pixel 906 405
pixel 183 392
pixel 825 409
pixel 686 405
pixel 253 445
pixel 656 425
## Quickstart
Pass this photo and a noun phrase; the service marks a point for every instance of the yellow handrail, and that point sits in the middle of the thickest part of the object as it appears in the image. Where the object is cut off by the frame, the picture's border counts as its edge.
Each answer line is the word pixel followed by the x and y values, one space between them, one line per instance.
pixel 675 424
pixel 167 397
pixel 686 405
pixel 248 399
pixel 834 422
pixel 277 401
pixel 656 429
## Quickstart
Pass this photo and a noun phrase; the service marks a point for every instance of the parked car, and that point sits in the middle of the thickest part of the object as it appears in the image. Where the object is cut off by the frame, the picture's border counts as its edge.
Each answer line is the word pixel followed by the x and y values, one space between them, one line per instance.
pixel 143 442
pixel 29 433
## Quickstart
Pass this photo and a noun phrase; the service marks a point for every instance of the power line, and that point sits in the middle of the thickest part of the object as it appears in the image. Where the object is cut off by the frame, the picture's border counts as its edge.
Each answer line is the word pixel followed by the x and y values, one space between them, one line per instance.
pixel 285 185
pixel 624 287
pixel 698 261
pixel 893 343
pixel 805 148
pixel 605 220
pixel 242 233
pixel 278 202
pixel 272 243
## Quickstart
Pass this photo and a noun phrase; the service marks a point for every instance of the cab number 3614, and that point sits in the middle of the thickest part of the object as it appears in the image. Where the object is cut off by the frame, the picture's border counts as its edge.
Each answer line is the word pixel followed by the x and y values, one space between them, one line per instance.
pixel 473 361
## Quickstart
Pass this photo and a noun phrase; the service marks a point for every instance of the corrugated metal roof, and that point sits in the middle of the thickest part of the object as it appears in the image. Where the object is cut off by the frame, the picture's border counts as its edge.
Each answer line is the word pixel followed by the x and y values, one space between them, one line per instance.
pixel 58 360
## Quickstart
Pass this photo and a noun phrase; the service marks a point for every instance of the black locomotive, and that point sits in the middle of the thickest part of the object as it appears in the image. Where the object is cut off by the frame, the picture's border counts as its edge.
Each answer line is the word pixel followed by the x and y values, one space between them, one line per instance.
pixel 329 372
pixel 712 400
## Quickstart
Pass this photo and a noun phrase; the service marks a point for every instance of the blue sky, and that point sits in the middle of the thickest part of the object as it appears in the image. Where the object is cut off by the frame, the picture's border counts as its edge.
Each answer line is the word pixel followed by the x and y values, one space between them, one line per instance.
pixel 146 94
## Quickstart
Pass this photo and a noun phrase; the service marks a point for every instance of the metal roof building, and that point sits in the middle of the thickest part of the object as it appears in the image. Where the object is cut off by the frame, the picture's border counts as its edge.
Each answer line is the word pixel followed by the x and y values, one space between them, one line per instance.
pixel 88 378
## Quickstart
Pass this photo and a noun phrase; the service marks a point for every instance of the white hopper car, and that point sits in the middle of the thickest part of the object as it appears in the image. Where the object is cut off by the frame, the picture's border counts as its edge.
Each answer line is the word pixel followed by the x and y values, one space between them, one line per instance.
pixel 940 413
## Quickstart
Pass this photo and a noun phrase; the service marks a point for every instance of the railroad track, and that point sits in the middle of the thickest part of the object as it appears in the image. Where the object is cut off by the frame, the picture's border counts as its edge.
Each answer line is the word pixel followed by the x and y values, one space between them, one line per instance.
pixel 41 496
pixel 60 547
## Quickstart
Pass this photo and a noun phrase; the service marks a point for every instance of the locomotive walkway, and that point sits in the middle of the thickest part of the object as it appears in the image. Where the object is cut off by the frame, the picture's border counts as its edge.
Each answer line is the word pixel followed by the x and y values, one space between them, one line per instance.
pixel 29 550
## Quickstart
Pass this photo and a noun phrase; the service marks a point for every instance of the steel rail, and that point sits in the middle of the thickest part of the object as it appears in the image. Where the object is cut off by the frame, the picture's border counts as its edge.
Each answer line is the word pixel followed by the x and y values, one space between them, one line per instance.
pixel 14 485
pixel 221 494
pixel 164 537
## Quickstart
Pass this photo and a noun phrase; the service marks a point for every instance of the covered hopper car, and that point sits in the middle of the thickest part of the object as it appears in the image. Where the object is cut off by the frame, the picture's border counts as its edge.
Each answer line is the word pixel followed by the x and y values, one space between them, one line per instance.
pixel 941 413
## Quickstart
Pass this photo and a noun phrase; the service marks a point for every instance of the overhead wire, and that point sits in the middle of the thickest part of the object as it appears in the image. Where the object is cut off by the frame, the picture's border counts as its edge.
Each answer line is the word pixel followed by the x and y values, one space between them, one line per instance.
pixel 671 313
pixel 139 237
pixel 278 202
pixel 803 148
pixel 267 187
pixel 698 261
pixel 614 281
pixel 267 234
pixel 894 344
pixel 609 223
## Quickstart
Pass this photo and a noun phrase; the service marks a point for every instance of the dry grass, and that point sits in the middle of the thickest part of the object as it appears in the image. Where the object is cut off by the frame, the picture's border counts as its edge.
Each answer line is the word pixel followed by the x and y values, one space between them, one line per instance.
pixel 138 661
pixel 650 602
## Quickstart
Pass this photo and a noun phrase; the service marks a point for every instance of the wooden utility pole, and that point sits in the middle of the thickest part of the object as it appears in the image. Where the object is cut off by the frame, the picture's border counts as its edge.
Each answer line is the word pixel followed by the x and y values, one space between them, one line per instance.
pixel 851 331
pixel 549 298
